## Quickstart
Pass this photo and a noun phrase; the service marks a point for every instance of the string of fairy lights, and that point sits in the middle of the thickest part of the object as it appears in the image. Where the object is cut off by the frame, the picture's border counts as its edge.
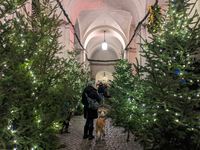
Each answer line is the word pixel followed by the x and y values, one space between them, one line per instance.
pixel 11 127
pixel 27 64
pixel 180 28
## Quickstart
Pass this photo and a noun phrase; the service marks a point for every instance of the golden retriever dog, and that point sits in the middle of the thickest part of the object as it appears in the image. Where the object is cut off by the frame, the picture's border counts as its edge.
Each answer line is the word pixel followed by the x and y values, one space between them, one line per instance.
pixel 100 124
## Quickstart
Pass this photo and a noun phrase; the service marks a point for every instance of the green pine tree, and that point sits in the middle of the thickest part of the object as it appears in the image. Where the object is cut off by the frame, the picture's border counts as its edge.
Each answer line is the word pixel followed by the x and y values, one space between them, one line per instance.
pixel 168 95
pixel 74 82
pixel 125 107
pixel 173 120
pixel 32 77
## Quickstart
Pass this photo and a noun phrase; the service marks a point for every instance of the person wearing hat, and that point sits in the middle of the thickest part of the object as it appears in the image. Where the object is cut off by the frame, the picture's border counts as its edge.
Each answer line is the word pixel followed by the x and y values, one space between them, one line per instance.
pixel 89 113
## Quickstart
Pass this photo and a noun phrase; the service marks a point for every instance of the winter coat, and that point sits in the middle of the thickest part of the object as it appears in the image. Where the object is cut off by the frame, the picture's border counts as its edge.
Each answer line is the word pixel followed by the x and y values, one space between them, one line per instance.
pixel 89 113
pixel 101 88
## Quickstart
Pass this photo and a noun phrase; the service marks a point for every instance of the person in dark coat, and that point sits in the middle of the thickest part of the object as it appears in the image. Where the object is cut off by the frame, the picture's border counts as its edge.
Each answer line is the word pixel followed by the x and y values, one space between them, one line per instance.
pixel 89 113
pixel 101 90
pixel 105 94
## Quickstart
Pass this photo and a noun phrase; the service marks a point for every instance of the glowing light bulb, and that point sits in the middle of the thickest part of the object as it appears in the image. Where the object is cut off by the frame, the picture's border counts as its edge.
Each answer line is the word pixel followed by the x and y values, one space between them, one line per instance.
pixel 104 46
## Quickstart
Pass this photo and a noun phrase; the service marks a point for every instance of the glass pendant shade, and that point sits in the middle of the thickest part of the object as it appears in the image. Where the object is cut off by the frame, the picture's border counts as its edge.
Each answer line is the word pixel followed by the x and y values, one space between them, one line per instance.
pixel 104 46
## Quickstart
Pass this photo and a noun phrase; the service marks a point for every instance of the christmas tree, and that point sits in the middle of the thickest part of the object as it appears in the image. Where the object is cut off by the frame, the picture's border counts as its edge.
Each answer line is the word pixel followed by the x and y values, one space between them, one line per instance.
pixel 168 103
pixel 173 123
pixel 32 76
pixel 74 82
pixel 125 103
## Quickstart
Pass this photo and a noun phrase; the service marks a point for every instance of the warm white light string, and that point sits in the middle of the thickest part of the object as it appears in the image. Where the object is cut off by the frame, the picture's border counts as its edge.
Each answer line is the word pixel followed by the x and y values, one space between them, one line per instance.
pixel 187 36
pixel 10 127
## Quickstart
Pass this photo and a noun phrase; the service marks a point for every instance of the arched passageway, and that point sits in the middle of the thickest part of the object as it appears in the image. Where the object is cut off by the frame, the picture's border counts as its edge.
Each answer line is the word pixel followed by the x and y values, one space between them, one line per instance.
pixel 118 18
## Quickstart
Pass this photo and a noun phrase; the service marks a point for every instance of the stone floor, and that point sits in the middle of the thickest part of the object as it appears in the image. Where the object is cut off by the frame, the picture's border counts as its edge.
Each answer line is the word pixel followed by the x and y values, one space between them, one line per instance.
pixel 114 139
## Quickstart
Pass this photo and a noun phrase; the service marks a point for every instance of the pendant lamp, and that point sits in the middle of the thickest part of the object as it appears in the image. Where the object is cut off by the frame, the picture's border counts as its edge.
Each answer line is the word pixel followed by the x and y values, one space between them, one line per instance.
pixel 104 44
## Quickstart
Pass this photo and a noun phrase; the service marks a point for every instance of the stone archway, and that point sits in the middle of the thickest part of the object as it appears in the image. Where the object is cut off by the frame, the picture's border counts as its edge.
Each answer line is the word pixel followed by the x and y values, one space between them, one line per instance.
pixel 103 75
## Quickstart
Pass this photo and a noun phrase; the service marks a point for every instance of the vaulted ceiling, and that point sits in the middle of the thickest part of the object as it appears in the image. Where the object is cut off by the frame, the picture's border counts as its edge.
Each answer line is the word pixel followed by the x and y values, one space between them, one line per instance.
pixel 116 17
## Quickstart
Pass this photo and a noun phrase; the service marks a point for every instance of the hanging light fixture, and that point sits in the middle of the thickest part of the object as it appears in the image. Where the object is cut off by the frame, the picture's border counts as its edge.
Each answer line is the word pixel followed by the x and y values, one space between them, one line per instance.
pixel 104 76
pixel 104 44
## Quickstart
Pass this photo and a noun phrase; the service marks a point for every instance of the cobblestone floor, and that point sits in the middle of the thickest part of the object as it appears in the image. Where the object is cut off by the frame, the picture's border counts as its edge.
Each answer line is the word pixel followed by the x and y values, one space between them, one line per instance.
pixel 114 139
